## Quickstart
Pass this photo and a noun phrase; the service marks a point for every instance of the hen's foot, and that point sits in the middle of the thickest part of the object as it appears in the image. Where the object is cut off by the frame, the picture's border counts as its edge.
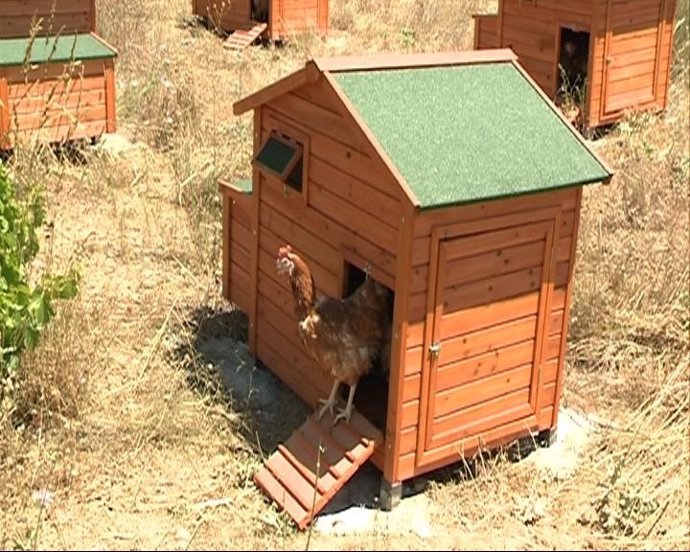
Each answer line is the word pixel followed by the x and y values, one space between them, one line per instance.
pixel 328 404
pixel 343 414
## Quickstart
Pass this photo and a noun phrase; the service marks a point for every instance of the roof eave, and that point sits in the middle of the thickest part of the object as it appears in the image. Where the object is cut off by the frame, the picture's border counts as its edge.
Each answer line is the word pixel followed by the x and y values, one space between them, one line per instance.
pixel 309 74
pixel 371 138
pixel 405 61
pixel 567 123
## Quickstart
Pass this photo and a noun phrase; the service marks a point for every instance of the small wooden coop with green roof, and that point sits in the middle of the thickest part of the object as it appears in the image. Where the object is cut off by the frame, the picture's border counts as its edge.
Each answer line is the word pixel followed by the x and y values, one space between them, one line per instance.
pixel 614 54
pixel 57 76
pixel 458 182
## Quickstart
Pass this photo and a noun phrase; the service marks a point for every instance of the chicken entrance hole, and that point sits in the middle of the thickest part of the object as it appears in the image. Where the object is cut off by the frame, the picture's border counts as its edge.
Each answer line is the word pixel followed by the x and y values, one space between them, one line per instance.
pixel 371 398
pixel 573 62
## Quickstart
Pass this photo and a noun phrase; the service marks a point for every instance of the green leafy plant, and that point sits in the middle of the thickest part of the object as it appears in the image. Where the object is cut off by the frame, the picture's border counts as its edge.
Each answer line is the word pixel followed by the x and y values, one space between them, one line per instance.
pixel 25 307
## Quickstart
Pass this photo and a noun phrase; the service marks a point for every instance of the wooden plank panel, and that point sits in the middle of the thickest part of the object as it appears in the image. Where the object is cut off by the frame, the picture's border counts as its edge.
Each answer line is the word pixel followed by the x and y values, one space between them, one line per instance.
pixel 479 417
pixel 493 362
pixel 18 26
pixel 320 95
pixel 48 88
pixel 564 198
pixel 360 222
pixel 241 235
pixel 59 71
pixel 487 340
pixel 493 289
pixel 411 387
pixel 488 315
pixel 320 225
pixel 355 191
pixel 453 451
pixel 413 360
pixel 316 119
pixel 410 414
pixel 301 239
pixel 87 98
pixel 481 390
pixel 493 263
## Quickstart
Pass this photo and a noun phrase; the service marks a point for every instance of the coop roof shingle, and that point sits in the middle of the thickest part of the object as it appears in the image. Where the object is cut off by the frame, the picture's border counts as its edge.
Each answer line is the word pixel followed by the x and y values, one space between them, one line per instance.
pixel 13 51
pixel 465 133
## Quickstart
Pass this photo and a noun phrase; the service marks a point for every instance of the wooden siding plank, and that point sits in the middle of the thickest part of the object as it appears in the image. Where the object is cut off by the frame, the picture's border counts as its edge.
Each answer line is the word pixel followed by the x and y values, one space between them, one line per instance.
pixel 496 361
pixel 481 390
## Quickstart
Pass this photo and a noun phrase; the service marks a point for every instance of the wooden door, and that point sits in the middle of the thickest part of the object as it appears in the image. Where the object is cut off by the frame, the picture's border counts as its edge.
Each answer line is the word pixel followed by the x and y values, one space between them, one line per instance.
pixel 633 44
pixel 492 286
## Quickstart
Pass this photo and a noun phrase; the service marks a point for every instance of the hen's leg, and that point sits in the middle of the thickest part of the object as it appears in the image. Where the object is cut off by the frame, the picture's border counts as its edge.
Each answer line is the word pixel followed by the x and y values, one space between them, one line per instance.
pixel 345 414
pixel 329 403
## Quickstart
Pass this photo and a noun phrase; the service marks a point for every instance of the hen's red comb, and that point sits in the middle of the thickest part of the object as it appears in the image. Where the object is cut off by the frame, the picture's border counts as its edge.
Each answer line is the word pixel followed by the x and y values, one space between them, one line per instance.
pixel 284 251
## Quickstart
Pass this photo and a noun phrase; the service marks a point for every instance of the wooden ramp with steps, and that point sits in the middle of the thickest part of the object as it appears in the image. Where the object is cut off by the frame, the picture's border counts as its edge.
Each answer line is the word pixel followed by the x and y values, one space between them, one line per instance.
pixel 242 38
pixel 305 473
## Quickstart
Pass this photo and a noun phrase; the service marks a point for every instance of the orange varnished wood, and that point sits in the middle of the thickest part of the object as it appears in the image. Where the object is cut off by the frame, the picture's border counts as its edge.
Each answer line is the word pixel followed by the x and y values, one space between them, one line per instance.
pixel 621 32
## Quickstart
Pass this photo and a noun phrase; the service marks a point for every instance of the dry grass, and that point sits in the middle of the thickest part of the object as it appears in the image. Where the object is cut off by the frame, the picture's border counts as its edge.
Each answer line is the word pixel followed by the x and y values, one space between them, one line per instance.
pixel 127 424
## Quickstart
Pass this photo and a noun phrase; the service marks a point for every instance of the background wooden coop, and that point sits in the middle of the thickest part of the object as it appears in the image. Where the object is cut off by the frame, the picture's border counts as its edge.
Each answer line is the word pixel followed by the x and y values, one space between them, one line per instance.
pixel 57 77
pixel 419 166
pixel 626 48
pixel 272 19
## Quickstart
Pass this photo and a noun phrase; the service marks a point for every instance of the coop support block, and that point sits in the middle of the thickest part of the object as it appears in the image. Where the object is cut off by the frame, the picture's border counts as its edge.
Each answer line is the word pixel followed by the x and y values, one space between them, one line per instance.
pixel 547 437
pixel 390 494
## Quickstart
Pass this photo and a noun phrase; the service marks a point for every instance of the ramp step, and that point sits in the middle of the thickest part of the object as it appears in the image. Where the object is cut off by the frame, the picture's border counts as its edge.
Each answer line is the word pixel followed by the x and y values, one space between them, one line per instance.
pixel 241 38
pixel 305 473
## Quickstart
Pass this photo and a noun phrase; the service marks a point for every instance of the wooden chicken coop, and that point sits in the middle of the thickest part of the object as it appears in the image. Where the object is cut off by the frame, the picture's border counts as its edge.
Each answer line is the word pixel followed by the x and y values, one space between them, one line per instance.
pixel 615 55
pixel 272 19
pixel 57 78
pixel 417 166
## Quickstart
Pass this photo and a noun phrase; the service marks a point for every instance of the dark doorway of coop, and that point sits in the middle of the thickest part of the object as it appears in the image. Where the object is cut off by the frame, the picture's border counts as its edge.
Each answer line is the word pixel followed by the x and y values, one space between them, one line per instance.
pixel 573 61
pixel 260 10
pixel 371 398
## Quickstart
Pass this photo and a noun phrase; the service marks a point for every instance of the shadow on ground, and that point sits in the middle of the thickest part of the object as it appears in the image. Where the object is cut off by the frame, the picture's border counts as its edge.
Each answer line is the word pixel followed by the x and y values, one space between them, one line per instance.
pixel 211 345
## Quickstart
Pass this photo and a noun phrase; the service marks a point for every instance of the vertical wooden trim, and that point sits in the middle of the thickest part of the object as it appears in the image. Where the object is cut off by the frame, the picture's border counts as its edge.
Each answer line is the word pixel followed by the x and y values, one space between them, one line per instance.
pixel 92 16
pixel 429 329
pixel 608 34
pixel 403 274
pixel 659 42
pixel 4 112
pixel 477 30
pixel 226 242
pixel 544 312
pixel 434 314
pixel 324 13
pixel 566 309
pixel 556 57
pixel 255 221
pixel 110 116
pixel 499 25
pixel 670 12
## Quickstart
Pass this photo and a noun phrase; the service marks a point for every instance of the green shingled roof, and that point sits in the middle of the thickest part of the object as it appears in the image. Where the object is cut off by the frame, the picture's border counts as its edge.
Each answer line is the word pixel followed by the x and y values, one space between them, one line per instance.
pixel 62 48
pixel 465 133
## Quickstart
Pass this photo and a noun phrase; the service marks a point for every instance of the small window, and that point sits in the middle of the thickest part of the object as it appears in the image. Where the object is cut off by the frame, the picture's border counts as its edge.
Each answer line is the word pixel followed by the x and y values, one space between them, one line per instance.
pixel 284 158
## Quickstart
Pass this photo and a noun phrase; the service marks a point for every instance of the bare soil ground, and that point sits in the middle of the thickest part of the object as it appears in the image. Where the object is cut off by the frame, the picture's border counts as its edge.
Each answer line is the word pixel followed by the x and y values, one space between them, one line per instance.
pixel 143 415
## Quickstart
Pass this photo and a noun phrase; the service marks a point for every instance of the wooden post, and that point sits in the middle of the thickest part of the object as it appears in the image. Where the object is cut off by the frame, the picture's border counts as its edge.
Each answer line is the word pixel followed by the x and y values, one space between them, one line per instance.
pixel 92 16
pixel 110 117
pixel 254 254
pixel 4 113
pixel 399 342
pixel 226 241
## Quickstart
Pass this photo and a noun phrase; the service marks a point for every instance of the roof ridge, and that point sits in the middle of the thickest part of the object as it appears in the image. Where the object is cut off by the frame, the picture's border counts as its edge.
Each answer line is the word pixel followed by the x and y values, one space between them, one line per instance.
pixel 372 62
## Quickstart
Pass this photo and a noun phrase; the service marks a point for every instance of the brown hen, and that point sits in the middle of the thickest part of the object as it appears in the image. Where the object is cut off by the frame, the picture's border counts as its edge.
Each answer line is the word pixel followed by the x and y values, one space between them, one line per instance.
pixel 343 336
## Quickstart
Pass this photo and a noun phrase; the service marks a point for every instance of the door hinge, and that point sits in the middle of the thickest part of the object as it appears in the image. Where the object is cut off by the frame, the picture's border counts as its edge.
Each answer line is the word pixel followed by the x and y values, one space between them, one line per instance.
pixel 435 350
